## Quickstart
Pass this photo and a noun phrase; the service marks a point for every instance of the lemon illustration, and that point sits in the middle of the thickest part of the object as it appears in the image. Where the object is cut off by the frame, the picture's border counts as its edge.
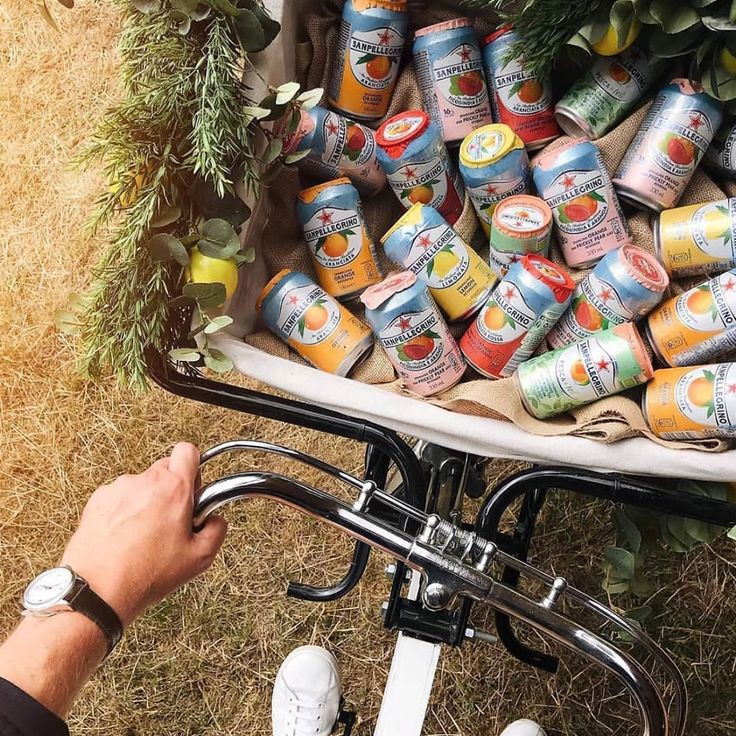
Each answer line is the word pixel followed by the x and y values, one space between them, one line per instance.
pixel 609 44
pixel 444 262
pixel 715 224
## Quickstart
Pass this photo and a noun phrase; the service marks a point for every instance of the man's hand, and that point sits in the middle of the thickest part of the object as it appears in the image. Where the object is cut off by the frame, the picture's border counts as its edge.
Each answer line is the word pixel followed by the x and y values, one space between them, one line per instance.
pixel 135 544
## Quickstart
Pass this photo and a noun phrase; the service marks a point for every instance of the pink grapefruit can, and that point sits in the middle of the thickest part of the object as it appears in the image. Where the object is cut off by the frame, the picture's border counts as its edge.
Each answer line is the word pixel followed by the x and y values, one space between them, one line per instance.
pixel 412 331
pixel 573 180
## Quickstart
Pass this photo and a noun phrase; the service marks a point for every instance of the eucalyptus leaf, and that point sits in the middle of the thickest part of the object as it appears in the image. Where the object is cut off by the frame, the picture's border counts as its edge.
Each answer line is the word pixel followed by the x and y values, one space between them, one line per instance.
pixel 183 26
pixel 311 98
pixel 223 6
pixel 164 247
pixel 669 45
pixel 273 151
pixel 597 25
pixel 67 322
pixel 270 27
pixel 78 302
pixel 622 17
pixel 674 17
pixel 184 355
pixel 219 231
pixel 228 207
pixel 180 301
pixel 217 324
pixel 256 112
pixel 579 41
pixel 642 12
pixel 166 215
pixel 201 13
pixel 67 3
pixel 217 361
pixel 249 31
pixel 627 533
pixel 220 251
pixel 185 6
pixel 292 158
pixel 614 587
pixel 286 92
pixel 207 294
pixel 676 526
pixel 47 16
pixel 641 586
pixel 732 533
pixel 622 561
pixel 250 255
pixel 670 539
pixel 147 7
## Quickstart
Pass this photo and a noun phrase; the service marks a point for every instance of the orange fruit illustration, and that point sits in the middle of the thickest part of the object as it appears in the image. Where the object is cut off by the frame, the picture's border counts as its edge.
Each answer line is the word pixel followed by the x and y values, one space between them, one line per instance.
pixel 700 392
pixel 355 138
pixel 580 208
pixel 421 193
pixel 530 91
pixel 315 317
pixel 401 127
pixel 419 347
pixel 494 318
pixel 578 374
pixel 378 67
pixel 335 245
pixel 470 83
pixel 618 73
pixel 588 317
pixel 700 301
pixel 680 151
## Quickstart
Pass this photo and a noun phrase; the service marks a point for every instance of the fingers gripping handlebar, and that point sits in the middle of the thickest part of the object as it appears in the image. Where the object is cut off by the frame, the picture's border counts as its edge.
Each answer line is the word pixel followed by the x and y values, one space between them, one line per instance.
pixel 455 563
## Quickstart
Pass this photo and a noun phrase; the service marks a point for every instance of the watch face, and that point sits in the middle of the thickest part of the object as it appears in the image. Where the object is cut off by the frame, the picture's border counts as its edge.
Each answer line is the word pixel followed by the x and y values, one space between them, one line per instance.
pixel 48 589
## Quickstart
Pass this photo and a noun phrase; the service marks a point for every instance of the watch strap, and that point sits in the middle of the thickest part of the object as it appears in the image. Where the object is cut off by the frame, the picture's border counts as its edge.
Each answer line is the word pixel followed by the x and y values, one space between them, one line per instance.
pixel 87 602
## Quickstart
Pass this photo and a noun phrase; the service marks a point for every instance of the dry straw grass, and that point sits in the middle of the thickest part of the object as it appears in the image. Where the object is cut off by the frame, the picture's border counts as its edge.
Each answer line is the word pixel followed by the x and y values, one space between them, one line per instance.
pixel 202 663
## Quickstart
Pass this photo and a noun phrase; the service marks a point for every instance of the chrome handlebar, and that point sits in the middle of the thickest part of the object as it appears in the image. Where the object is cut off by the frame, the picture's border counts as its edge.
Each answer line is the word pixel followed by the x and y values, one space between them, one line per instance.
pixel 456 563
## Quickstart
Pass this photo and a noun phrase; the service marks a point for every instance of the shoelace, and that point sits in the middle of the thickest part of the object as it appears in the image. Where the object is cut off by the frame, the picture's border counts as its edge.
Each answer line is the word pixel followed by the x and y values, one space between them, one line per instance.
pixel 305 719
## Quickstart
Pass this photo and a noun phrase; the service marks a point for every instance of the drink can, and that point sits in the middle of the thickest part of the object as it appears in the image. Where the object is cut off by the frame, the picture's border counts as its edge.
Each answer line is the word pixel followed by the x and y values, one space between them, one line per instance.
pixel 668 146
pixel 605 93
pixel 603 364
pixel 310 321
pixel 449 73
pixel 574 182
pixel 721 155
pixel 494 165
pixel 341 249
pixel 414 334
pixel 521 224
pixel 525 305
pixel 696 326
pixel 417 165
pixel 692 403
pixel 337 147
pixel 697 240
pixel 422 242
pixel 518 98
pixel 370 43
pixel 624 285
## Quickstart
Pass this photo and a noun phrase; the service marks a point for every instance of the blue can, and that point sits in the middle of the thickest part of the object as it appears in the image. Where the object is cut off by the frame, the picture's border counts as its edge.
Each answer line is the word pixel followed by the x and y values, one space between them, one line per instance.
pixel 449 70
pixel 721 155
pixel 418 168
pixel 337 147
pixel 414 334
pixel 369 48
pixel 494 165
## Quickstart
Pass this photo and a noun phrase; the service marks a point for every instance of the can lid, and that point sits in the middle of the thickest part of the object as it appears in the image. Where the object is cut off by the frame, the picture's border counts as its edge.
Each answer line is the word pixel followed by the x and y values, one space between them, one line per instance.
pixel 310 194
pixel 644 268
pixel 398 5
pixel 557 279
pixel 394 283
pixel 411 217
pixel 268 288
pixel 488 144
pixel 627 331
pixel 398 131
pixel 688 86
pixel 522 216
pixel 504 29
pixel 446 25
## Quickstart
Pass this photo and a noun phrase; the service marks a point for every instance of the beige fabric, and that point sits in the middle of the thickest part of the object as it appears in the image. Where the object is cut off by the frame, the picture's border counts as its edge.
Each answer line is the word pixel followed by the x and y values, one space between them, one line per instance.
pixel 608 420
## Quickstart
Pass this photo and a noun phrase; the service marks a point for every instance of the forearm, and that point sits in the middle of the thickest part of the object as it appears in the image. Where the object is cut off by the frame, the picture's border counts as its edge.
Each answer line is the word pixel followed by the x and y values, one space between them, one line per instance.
pixel 52 658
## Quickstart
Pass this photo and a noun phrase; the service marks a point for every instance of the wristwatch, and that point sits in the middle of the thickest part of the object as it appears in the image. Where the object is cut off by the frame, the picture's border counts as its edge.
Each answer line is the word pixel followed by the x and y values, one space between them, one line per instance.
pixel 61 589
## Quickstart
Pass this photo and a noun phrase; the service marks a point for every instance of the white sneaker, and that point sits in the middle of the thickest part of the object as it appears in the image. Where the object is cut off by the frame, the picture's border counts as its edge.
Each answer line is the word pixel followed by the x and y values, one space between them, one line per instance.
pixel 524 727
pixel 306 694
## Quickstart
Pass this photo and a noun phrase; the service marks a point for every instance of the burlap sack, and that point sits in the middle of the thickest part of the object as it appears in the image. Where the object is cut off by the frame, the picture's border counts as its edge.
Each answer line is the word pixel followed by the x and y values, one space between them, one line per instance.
pixel 607 420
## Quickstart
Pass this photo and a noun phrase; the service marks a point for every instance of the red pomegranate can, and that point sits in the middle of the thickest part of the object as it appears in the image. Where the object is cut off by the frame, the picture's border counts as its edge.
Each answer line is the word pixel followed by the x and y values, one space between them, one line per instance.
pixel 525 306
pixel 518 98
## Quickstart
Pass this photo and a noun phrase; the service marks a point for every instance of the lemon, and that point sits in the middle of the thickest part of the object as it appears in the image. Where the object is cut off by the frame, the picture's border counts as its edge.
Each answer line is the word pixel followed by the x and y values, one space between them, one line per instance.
pixel 608 45
pixel 728 61
pixel 444 262
pixel 205 270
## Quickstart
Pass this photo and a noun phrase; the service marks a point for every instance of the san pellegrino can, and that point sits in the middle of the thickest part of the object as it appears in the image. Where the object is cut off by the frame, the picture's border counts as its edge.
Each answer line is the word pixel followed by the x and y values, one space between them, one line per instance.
pixel 721 154
pixel 494 165
pixel 624 285
pixel 341 249
pixel 370 43
pixel 696 326
pixel 310 321
pixel 414 334
pixel 518 98
pixel 697 240
pixel 337 147
pixel 449 73
pixel 692 403
pixel 603 364
pixel 423 242
pixel 417 165
pixel 524 306
pixel 575 183
pixel 668 146
pixel 521 224
pixel 605 93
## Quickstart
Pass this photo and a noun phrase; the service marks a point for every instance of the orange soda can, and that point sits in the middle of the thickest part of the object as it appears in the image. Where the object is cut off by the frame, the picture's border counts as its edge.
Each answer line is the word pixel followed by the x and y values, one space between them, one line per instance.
pixel 692 403
pixel 696 326
pixel 310 321
pixel 342 251
pixel 370 44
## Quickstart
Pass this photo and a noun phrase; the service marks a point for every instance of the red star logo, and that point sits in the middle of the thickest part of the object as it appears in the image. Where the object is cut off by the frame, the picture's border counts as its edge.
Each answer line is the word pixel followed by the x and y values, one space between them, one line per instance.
pixel 510 292
pixel 404 323
pixel 293 300
pixel 465 54
pixel 729 285
pixel 425 241
pixel 696 121
pixel 385 38
pixel 603 364
pixel 410 173
pixel 569 181
pixel 515 258
pixel 325 217
pixel 332 128
pixel 731 388
pixel 490 189
pixel 606 294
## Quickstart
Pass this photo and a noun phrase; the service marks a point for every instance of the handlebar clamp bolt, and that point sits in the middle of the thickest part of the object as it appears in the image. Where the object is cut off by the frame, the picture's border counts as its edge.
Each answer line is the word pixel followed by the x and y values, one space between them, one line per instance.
pixel 559 586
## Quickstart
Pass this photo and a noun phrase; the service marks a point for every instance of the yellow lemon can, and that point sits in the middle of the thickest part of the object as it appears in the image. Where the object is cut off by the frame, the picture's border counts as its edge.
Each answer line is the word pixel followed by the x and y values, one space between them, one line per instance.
pixel 423 242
